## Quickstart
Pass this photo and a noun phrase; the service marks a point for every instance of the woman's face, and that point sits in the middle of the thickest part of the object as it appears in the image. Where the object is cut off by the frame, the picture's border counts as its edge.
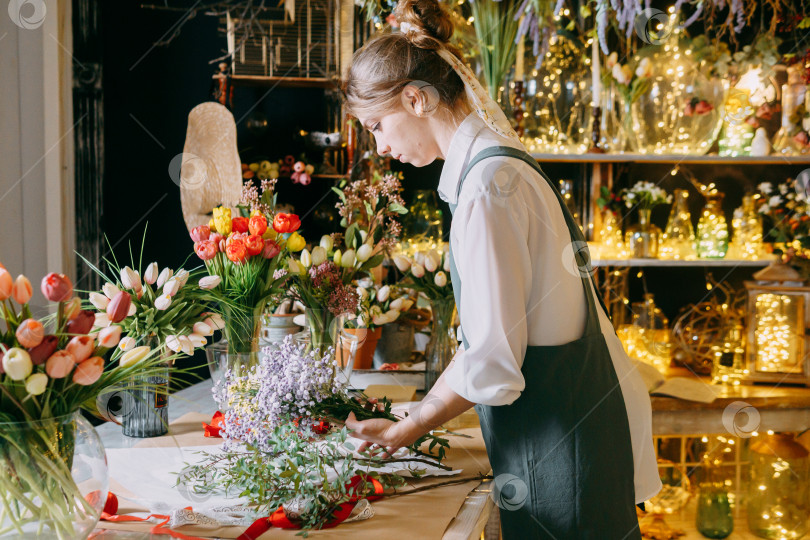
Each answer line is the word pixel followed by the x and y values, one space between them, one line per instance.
pixel 403 136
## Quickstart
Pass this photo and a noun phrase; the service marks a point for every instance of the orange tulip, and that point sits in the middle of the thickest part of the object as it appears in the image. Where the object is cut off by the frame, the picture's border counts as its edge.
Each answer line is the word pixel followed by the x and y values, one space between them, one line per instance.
pixel 81 347
pixel 22 291
pixel 59 365
pixel 88 371
pixel 6 284
pixel 30 333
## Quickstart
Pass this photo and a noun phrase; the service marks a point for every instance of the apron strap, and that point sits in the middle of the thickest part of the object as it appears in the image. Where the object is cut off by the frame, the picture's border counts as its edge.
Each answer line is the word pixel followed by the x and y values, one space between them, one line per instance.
pixel 592 322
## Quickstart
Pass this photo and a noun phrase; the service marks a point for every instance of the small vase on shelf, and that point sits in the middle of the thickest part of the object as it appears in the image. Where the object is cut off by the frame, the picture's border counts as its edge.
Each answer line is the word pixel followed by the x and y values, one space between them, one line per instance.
pixel 611 243
pixel 443 344
pixel 712 231
pixel 747 227
pixel 728 357
pixel 679 236
pixel 642 239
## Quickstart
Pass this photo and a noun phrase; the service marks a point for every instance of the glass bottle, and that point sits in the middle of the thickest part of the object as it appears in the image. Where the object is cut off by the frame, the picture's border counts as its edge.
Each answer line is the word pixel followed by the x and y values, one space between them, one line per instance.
pixel 567 192
pixel 713 518
pixel 712 231
pixel 423 223
pixel 679 237
pixel 778 502
pixel 747 227
pixel 642 238
pixel 651 330
pixel 442 346
pixel 793 95
pixel 728 357
pixel 611 243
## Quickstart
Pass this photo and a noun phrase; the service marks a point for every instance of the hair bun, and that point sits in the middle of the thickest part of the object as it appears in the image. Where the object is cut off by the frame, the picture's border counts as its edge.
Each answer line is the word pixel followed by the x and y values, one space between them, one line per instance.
pixel 429 25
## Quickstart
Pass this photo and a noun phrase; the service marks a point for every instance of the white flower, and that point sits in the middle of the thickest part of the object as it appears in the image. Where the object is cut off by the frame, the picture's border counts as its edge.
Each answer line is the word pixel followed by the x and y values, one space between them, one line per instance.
pixel 364 252
pixel 432 261
pixel 150 275
pixel 181 276
pixel 99 300
pixel 173 343
pixel 419 257
pixel 417 270
pixel 126 344
pixel 209 282
pixel 197 340
pixel 306 258
pixel 621 73
pixel 764 209
pixel 366 282
pixel 163 302
pixel 17 364
pixel 446 266
pixel 171 287
pixel 35 384
pixel 362 293
pixel 402 263
pixel 215 321
pixel 130 279
pixel 612 59
pixel 347 260
pixel 294 267
pixel 383 293
pixel 102 320
pixel 185 345
pixel 164 276
pixel 644 68
pixel 318 255
pixel 775 200
pixel 133 356
pixel 326 242
pixel 765 187
pixel 783 189
pixel 440 279
pixel 132 309
pixel 202 328
pixel 110 290
pixel 397 303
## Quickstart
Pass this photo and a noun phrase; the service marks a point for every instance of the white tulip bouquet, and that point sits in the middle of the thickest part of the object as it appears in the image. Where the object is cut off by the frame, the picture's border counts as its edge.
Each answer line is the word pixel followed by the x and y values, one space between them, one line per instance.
pixel 378 305
pixel 427 272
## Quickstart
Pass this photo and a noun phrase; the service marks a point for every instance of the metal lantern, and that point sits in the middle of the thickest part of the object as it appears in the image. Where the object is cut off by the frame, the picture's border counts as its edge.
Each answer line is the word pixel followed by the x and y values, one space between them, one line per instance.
pixel 778 314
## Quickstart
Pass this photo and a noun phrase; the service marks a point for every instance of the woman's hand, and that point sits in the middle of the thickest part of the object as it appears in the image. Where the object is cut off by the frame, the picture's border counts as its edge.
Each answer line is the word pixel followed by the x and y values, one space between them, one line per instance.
pixel 378 431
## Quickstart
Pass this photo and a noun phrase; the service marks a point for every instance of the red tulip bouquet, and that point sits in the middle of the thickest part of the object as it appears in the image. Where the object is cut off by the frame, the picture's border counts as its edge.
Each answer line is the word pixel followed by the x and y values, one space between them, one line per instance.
pixel 246 252
pixel 49 369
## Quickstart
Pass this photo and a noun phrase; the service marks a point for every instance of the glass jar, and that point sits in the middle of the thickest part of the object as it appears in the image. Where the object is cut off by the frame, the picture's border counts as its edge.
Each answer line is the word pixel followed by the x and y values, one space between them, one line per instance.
pixel 712 231
pixel 642 239
pixel 443 344
pixel 569 197
pixel 728 357
pixel 713 517
pixel 145 405
pixel 611 244
pixel 793 96
pixel 651 328
pixel 747 227
pixel 53 478
pixel 778 502
pixel 679 237
pixel 423 224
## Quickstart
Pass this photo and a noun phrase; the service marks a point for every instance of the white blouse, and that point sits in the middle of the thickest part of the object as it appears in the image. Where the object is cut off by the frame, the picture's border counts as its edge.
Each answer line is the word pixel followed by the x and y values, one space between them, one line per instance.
pixel 521 285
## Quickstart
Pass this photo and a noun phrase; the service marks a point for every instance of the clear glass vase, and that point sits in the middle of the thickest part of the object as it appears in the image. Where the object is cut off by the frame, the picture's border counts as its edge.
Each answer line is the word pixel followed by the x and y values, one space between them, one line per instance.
pixel 611 243
pixel 53 478
pixel 712 230
pixel 679 237
pixel 642 239
pixel 747 227
pixel 784 143
pixel 615 122
pixel 713 516
pixel 651 330
pixel 443 344
pixel 326 332
pixel 728 356
pixel 145 407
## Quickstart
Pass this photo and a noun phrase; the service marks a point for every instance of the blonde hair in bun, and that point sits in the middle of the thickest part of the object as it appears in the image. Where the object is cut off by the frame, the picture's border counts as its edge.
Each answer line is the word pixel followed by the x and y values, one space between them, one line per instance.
pixel 385 65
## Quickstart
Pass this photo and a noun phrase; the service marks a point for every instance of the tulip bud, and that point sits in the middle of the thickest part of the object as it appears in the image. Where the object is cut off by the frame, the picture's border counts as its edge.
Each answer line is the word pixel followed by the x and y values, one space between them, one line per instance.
pixel 417 270
pixel 397 303
pixel 210 282
pixel 133 356
pixel 215 321
pixel 56 287
pixel 336 257
pixel 151 273
pixel 432 261
pixel 383 293
pixel 126 344
pixel 318 255
pixel 347 260
pixel 446 267
pixel 198 234
pixel 402 263
pixel 118 307
pixel 44 350
pixel 109 337
pixel 164 276
pixel 6 284
pixel 366 283
pixel 296 242
pixel 306 258
pixel 30 333
pixel 173 343
pixel 182 277
pixel 202 329
pixel 197 340
pixel 132 310
pixel 419 257
pixel 21 291
pixel 109 290
pixel 171 287
pixel 392 315
pixel 406 305
pixel 163 302
pixel 130 279
pixel 364 253
pixel 362 293
pixel 81 323
pixel 440 279
pixel 327 242
pixel 73 307
pixel 294 267
pixel 102 320
pixel 59 364
pixel 80 347
pixel 185 345
pixel 89 371
pixel 363 235
pixel 99 301
pixel 36 383
pixel 17 364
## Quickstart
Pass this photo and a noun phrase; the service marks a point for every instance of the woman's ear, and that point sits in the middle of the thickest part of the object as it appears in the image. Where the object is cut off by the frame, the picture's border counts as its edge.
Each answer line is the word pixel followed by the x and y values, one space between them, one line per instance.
pixel 420 98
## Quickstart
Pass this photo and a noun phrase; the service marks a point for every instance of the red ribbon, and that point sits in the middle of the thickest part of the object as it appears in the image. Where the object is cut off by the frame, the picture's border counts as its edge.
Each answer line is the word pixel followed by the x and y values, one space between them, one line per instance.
pixel 159 528
pixel 216 425
pixel 279 518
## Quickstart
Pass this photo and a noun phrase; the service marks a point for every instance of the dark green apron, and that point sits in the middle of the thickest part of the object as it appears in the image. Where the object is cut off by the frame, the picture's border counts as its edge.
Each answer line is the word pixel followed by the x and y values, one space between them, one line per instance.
pixel 561 453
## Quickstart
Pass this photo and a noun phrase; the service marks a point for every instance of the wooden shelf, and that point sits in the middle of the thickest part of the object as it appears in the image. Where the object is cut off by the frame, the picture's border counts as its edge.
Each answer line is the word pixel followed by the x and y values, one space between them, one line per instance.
pixel 670 159
pixel 285 82
pixel 666 263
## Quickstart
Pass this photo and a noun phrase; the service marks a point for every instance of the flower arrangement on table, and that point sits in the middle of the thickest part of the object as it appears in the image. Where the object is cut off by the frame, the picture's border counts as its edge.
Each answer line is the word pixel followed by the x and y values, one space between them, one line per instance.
pixel 786 213
pixel 283 451
pixel 49 369
pixel 378 305
pixel 246 252
pixel 322 279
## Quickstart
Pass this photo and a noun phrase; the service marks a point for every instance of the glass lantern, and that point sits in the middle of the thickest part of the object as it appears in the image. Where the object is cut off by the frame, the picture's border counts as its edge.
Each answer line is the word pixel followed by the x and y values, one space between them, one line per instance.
pixel 747 227
pixel 777 320
pixel 712 231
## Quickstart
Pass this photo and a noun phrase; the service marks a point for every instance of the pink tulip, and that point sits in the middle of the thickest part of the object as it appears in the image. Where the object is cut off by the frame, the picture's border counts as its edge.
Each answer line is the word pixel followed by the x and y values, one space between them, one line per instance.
pixel 81 347
pixel 30 333
pixel 151 273
pixel 81 323
pixel 109 337
pixel 89 371
pixel 22 290
pixel 216 238
pixel 304 179
pixel 59 365
pixel 205 249
pixel 198 234
pixel 44 350
pixel 118 307
pixel 270 249
pixel 56 287
pixel 6 284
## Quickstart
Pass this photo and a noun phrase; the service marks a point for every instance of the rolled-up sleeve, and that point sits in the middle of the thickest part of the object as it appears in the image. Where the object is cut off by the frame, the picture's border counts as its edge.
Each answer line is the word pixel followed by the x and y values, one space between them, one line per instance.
pixel 490 249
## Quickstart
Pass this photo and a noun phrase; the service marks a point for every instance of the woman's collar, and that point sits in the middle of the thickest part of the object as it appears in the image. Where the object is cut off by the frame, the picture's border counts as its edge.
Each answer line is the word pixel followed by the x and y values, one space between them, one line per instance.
pixel 458 155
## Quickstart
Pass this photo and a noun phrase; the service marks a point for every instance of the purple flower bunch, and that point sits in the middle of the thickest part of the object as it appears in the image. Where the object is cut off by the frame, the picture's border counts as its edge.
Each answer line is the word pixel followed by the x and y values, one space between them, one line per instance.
pixel 286 387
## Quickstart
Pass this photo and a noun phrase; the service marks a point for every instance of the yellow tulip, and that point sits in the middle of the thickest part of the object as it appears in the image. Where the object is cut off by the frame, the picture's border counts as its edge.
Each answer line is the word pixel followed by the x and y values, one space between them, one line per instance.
pixel 270 234
pixel 222 220
pixel 296 242
pixel 212 225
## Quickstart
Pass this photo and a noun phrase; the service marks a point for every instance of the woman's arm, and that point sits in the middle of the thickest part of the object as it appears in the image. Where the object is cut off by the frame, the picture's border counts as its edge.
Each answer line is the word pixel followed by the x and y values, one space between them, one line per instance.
pixel 439 406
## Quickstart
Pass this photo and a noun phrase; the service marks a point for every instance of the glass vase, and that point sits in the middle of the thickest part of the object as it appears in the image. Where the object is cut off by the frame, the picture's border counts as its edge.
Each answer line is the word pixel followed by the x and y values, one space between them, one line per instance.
pixel 443 344
pixel 679 237
pixel 785 143
pixel 778 502
pixel 651 329
pixel 615 122
pixel 611 244
pixel 325 332
pixel 747 227
pixel 712 231
pixel 53 473
pixel 642 239
pixel 145 407
pixel 728 356
pixel 713 517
